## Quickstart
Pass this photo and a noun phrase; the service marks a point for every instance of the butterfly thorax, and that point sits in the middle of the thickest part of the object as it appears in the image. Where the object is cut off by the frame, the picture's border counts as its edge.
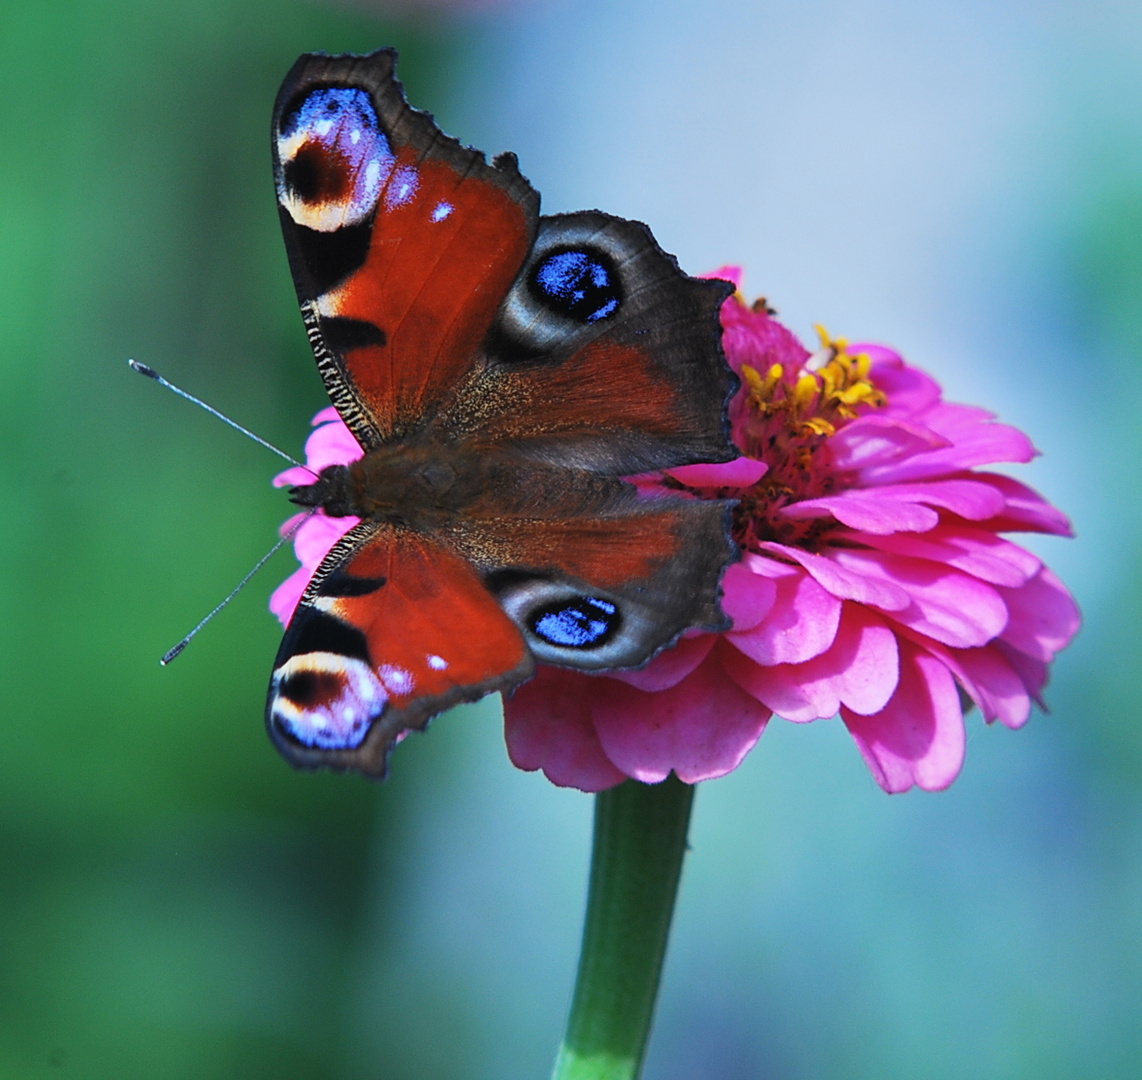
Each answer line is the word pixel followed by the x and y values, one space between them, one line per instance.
pixel 421 483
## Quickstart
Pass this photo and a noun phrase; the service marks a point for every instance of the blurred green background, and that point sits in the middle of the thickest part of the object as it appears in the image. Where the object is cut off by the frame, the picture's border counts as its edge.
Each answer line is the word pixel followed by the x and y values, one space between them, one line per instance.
pixel 176 902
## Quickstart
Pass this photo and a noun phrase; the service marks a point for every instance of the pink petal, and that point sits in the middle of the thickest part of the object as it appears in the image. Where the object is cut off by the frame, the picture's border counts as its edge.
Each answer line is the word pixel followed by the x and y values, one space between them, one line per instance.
pixel 312 542
pixel 859 670
pixel 748 595
pixel 670 666
pixel 866 511
pixel 880 440
pixel 801 624
pixel 700 729
pixel 1026 510
pixel 909 389
pixel 331 444
pixel 1044 616
pixel 846 584
pixel 947 605
pixel 894 508
pixel 995 686
pixel 1032 673
pixel 289 524
pixel 918 737
pixel 315 539
pixel 976 440
pixel 970 499
pixel 986 675
pixel 294 476
pixel 976 552
pixel 284 599
pixel 754 338
pixel 548 726
pixel 733 274
pixel 742 472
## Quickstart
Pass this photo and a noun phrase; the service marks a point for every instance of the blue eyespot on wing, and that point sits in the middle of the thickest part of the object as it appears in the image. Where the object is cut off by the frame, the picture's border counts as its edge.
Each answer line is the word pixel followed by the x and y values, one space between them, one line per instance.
pixel 581 284
pixel 582 623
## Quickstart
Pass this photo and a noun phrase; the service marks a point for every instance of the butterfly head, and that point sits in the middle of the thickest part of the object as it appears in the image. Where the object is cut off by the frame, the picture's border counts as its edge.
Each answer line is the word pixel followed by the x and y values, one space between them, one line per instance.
pixel 330 491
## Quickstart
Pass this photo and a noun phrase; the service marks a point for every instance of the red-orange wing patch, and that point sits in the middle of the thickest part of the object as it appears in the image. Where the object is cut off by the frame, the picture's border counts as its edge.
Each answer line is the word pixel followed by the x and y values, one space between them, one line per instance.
pixel 393 630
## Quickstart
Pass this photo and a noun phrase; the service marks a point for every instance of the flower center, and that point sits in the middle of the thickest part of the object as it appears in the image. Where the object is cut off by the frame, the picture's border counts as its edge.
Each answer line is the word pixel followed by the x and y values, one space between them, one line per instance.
pixel 790 416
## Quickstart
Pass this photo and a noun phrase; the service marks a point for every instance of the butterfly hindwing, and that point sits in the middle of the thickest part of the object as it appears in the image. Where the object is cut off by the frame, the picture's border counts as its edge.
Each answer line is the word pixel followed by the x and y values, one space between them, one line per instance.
pixel 604 355
pixel 392 630
pixel 640 576
pixel 395 627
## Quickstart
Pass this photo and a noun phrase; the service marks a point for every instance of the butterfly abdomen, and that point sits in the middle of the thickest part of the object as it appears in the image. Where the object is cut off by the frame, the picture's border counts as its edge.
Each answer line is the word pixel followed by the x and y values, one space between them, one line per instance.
pixel 419 484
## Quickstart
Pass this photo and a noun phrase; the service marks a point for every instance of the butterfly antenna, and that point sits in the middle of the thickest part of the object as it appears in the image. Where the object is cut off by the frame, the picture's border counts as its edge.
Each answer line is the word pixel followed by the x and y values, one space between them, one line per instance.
pixel 144 369
pixel 170 654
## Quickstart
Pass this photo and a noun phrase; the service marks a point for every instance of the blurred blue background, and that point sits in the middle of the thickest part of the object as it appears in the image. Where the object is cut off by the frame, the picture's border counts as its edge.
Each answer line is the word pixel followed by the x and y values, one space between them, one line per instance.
pixel 962 181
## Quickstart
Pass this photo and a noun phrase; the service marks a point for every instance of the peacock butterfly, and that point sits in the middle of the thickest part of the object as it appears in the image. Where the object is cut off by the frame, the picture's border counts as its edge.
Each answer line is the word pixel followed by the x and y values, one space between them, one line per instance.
pixel 503 373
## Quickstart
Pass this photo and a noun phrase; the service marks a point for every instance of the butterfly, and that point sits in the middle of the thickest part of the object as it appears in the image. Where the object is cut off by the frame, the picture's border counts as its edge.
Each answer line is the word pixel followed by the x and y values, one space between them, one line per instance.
pixel 503 372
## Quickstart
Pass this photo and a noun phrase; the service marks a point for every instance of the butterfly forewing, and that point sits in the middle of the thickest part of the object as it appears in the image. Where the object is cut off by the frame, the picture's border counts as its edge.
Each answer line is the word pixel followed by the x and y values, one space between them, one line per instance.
pixel 402 242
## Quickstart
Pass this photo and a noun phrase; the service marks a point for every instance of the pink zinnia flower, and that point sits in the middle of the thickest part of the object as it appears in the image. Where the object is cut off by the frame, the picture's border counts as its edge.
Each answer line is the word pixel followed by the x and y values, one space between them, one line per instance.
pixel 873 583
pixel 332 443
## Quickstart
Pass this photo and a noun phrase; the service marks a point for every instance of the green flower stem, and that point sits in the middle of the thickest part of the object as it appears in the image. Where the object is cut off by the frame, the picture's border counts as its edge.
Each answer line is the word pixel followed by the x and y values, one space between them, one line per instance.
pixel 640 838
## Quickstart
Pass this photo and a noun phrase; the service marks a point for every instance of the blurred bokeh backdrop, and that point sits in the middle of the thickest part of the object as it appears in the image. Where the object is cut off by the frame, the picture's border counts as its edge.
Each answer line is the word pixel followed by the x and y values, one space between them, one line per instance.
pixel 961 180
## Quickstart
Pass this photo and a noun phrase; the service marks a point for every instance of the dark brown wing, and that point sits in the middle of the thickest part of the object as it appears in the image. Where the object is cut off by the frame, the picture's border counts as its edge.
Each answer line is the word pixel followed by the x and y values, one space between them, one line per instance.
pixel 604 355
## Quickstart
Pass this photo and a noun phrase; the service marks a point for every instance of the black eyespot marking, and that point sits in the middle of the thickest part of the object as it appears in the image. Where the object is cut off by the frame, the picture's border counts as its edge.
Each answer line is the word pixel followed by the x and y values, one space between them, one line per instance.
pixel 315 175
pixel 314 631
pixel 309 689
pixel 581 622
pixel 326 258
pixel 581 283
pixel 343 334
pixel 342 584
pixel 511 349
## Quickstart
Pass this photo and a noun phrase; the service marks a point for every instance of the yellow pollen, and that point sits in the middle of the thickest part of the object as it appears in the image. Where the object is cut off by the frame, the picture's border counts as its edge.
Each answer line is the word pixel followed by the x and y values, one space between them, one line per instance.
pixel 845 377
pixel 818 425
pixel 805 391
pixel 793 412
pixel 813 404
pixel 752 380
pixel 761 389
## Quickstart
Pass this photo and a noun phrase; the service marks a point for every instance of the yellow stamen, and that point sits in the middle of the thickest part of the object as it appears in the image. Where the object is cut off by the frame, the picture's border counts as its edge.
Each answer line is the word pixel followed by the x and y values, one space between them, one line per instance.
pixel 828 378
pixel 831 388
pixel 752 380
pixel 818 425
pixel 805 390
